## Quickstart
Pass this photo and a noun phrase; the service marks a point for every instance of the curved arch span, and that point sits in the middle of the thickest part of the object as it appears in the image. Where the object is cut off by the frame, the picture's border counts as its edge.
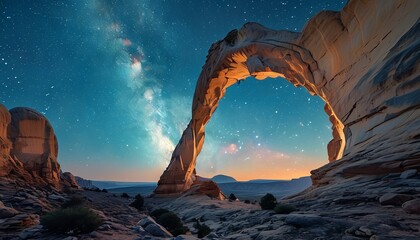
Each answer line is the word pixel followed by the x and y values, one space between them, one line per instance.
pixel 251 51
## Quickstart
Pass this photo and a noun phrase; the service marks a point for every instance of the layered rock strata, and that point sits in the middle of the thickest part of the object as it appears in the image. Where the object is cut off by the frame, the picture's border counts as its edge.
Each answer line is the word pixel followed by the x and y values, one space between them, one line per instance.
pixel 29 148
pixel 362 61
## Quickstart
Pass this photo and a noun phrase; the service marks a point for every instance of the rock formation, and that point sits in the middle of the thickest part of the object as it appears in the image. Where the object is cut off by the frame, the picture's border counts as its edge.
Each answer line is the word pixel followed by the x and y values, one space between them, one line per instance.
pixel 4 141
pixel 34 144
pixel 362 61
pixel 29 148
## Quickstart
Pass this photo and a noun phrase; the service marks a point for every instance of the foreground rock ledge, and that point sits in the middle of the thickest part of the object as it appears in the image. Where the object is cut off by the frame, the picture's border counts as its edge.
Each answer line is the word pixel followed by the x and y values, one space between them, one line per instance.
pixel 362 61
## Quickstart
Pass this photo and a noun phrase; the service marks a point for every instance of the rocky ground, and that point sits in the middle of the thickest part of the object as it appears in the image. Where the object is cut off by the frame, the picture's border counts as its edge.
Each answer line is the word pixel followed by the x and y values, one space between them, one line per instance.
pixel 386 207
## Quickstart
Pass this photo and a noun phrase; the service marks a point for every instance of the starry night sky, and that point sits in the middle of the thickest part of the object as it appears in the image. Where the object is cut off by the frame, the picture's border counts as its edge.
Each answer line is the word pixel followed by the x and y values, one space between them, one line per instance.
pixel 116 80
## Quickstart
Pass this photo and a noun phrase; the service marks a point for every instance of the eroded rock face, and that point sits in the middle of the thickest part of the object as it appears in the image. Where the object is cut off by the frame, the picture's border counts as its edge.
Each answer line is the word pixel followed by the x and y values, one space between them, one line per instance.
pixel 34 144
pixel 4 141
pixel 363 62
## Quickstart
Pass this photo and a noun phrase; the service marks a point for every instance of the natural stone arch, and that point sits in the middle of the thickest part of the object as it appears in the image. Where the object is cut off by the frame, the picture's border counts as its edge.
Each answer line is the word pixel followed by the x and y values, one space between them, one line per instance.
pixel 252 51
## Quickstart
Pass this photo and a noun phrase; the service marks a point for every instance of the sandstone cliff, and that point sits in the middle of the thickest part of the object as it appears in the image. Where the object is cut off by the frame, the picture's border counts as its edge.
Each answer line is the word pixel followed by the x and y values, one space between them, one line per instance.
pixel 362 61
pixel 29 149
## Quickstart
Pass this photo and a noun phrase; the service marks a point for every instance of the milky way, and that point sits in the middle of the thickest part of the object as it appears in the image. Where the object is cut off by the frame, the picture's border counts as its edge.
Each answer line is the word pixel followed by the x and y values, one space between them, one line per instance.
pixel 116 79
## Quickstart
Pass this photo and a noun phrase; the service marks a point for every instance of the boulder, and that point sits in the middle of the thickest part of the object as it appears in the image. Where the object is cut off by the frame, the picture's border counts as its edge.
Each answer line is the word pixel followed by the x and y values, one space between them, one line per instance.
pixel 7 212
pixel 394 199
pixel 157 230
pixel 412 206
pixel 408 173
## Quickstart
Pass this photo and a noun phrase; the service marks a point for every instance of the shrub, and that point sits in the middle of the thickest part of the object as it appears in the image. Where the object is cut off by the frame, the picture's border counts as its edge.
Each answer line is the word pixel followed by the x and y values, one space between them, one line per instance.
pixel 232 197
pixel 172 223
pixel 138 202
pixel 247 201
pixel 73 202
pixel 158 212
pixel 72 220
pixel 125 195
pixel 268 202
pixel 203 229
pixel 284 208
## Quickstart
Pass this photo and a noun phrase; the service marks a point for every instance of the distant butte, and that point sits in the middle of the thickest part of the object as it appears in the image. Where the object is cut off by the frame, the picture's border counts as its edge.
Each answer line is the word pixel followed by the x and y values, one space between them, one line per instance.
pixel 362 61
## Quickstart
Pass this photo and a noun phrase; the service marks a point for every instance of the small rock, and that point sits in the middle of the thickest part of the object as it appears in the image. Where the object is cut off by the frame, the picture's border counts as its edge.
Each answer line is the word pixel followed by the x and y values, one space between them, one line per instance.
pixel 30 233
pixel 351 238
pixel 56 197
pixel 105 227
pixel 185 237
pixel 213 235
pixel 6 212
pixel 94 234
pixel 366 230
pixel 304 220
pixel 70 238
pixel 138 229
pixel 412 206
pixel 394 199
pixel 157 230
pixel 146 221
pixel 408 173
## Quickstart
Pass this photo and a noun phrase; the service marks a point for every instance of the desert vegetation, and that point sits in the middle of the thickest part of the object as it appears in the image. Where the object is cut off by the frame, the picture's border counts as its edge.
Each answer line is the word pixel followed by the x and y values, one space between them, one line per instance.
pixel 268 202
pixel 138 202
pixel 170 221
pixel 72 218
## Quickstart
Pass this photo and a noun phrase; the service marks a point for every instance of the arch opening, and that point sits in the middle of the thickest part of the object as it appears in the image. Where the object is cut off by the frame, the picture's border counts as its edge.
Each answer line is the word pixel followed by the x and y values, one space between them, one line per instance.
pixel 265 129
pixel 251 51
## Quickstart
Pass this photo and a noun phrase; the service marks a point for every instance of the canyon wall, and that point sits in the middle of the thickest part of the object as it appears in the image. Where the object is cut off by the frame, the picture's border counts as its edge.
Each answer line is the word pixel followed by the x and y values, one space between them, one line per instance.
pixel 362 61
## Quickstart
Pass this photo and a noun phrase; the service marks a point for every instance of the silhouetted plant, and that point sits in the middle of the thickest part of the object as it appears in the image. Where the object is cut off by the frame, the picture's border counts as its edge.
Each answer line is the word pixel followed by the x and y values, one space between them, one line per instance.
pixel 158 212
pixel 138 202
pixel 172 223
pixel 203 229
pixel 104 190
pixel 232 197
pixel 72 220
pixel 73 202
pixel 268 202
pixel 125 195
pixel 247 201
pixel 284 208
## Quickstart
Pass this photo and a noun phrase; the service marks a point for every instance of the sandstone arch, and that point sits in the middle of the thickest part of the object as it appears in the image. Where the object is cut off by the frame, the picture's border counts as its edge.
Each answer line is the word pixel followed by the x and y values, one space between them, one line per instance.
pixel 252 51
pixel 339 57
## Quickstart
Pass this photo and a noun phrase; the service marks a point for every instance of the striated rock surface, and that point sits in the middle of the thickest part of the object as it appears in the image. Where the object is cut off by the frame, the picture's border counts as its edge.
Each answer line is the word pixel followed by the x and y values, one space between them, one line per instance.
pixel 69 180
pixel 29 149
pixel 5 143
pixel 34 144
pixel 202 186
pixel 362 61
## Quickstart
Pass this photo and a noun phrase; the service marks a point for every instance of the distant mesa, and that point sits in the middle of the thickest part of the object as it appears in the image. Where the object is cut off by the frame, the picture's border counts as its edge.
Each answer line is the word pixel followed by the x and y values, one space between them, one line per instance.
pixel 362 62
pixel 223 179
pixel 29 149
